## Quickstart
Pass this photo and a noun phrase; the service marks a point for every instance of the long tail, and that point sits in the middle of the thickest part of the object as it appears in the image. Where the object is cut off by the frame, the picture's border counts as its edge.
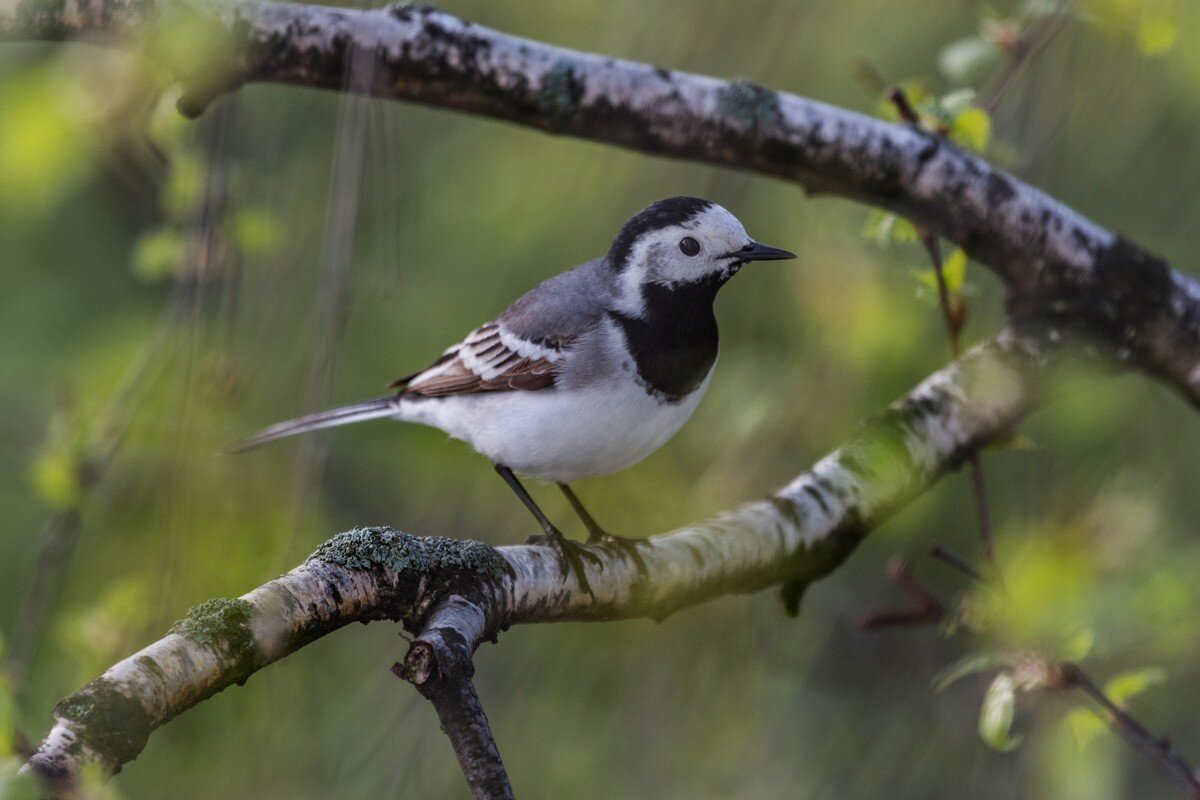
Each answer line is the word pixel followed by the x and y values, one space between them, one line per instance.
pixel 358 412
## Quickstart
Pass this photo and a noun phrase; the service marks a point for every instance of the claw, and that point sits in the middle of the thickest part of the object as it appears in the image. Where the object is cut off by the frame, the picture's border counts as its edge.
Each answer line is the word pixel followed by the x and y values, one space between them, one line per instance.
pixel 570 557
pixel 619 543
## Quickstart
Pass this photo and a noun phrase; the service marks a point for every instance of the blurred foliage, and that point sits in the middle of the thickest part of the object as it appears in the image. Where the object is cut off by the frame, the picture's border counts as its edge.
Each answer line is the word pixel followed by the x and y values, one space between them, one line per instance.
pixel 163 289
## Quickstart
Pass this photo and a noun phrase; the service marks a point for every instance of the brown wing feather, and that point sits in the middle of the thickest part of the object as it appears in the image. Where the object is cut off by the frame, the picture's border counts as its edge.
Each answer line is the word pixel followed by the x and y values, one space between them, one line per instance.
pixel 452 375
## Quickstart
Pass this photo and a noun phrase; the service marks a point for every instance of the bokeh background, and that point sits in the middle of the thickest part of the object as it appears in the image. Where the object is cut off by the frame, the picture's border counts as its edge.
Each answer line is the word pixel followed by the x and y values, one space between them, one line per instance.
pixel 168 286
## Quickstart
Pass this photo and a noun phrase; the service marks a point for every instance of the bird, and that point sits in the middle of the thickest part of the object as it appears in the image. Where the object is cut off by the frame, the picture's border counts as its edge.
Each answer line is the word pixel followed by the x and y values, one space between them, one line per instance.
pixel 587 373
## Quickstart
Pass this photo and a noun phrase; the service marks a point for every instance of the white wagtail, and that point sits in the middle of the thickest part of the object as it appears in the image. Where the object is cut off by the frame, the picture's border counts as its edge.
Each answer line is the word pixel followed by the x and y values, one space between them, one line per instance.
pixel 586 374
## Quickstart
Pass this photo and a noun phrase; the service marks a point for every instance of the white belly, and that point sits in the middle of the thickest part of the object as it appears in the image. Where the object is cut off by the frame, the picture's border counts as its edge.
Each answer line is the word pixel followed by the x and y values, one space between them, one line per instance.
pixel 559 436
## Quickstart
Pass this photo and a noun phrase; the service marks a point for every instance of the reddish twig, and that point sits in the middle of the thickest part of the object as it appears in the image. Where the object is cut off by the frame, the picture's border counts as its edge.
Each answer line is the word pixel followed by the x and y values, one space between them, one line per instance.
pixel 956 561
pixel 899 99
pixel 927 608
pixel 1157 748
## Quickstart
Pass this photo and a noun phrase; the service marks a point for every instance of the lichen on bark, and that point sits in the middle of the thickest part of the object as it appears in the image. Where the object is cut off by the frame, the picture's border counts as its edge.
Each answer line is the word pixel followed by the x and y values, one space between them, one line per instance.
pixel 383 547
pixel 223 623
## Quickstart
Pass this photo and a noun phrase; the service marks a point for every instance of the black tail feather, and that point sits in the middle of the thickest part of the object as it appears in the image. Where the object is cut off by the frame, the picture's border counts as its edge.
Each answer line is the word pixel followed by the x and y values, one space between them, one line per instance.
pixel 358 412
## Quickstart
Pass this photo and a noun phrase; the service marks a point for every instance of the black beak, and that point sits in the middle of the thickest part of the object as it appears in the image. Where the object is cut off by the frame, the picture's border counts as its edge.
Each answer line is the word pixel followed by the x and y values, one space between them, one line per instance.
pixel 759 252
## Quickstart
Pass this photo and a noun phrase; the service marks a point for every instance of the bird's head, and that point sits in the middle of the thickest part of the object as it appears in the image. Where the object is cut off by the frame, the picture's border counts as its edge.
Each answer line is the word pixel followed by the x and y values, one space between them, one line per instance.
pixel 681 242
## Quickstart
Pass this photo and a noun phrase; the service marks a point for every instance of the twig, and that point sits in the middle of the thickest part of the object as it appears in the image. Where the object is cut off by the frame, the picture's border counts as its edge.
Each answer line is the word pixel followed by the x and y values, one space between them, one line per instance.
pixel 899 99
pixel 954 315
pixel 1068 674
pixel 1019 54
pixel 439 664
pixel 956 561
pixel 927 611
pixel 979 494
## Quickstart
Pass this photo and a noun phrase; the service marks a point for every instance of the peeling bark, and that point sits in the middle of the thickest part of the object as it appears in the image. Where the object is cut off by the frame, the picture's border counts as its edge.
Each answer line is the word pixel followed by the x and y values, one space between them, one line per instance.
pixel 454 595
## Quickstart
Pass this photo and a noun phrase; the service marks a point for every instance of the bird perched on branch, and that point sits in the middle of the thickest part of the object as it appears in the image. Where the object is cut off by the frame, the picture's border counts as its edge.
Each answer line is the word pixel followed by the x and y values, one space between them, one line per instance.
pixel 586 374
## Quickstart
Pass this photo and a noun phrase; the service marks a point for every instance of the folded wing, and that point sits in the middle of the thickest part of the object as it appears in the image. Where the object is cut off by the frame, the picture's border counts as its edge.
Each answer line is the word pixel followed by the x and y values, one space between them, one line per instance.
pixel 491 359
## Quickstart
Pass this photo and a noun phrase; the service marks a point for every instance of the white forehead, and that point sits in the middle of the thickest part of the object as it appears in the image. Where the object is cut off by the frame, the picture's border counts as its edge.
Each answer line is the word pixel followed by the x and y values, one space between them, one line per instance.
pixel 716 224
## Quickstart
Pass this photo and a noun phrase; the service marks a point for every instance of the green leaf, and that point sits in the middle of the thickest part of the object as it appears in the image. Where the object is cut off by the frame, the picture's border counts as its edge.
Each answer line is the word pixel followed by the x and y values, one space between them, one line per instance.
pixel 954 271
pixel 972 128
pixel 55 477
pixel 969 60
pixel 255 232
pixel 996 714
pixel 1079 645
pixel 1085 725
pixel 885 228
pixel 1156 33
pixel 1125 686
pixel 184 187
pixel 158 254
pixel 970 665
pixel 926 278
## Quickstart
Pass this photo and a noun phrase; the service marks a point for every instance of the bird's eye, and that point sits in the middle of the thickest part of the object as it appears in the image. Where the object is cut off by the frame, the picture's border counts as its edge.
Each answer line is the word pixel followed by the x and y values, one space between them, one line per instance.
pixel 689 246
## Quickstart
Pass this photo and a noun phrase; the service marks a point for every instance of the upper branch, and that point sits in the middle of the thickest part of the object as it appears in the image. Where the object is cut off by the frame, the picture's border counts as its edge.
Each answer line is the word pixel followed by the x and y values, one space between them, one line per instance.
pixel 469 591
pixel 1056 262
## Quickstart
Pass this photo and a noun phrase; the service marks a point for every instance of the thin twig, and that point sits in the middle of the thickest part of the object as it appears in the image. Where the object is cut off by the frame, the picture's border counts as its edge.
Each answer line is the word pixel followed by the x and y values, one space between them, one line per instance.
pixel 927 608
pixel 1020 52
pixel 954 315
pixel 899 99
pixel 956 561
pixel 1156 748
pixel 982 511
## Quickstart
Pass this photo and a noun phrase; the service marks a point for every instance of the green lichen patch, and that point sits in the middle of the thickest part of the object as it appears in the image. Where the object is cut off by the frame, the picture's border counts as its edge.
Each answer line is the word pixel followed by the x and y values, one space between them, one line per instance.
pixel 748 103
pixel 107 720
pixel 223 623
pixel 560 93
pixel 382 547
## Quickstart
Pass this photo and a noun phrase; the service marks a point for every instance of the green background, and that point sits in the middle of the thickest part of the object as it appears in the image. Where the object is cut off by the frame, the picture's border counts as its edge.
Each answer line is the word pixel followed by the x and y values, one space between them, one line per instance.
pixel 185 269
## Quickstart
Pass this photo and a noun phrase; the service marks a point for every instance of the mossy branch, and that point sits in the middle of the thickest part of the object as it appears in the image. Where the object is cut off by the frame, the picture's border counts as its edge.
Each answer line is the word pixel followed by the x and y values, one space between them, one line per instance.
pixel 440 588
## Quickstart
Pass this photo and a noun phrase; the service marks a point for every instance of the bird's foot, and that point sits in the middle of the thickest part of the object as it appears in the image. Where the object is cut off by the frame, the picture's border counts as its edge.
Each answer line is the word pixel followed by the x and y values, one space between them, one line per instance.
pixel 622 545
pixel 571 556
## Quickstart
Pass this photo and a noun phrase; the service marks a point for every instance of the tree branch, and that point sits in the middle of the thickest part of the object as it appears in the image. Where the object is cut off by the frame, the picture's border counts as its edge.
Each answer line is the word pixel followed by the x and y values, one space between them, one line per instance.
pixel 442 589
pixel 439 665
pixel 1057 263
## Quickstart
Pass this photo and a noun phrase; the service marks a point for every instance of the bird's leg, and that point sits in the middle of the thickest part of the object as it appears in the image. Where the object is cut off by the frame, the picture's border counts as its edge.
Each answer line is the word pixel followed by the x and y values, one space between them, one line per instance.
pixel 570 554
pixel 597 535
